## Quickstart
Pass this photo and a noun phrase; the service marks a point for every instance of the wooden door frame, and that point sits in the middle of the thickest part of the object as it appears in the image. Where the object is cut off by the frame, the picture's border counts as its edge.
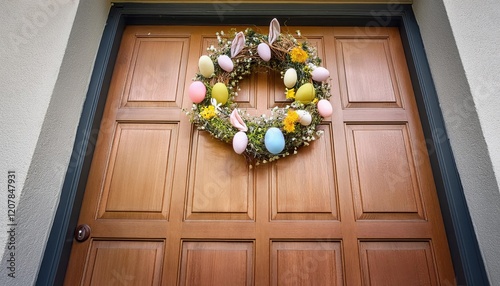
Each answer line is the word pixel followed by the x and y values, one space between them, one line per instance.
pixel 467 260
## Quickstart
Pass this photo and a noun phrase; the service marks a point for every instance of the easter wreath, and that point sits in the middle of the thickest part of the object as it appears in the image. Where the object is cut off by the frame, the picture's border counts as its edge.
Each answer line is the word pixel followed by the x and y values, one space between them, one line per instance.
pixel 264 138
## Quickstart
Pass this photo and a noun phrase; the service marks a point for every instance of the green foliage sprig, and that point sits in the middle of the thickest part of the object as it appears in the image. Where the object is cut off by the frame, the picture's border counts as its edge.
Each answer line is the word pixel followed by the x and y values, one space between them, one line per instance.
pixel 286 52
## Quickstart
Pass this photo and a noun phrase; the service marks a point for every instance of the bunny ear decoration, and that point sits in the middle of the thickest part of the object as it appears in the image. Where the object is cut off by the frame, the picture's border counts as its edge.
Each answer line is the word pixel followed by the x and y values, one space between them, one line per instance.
pixel 238 44
pixel 237 122
pixel 274 31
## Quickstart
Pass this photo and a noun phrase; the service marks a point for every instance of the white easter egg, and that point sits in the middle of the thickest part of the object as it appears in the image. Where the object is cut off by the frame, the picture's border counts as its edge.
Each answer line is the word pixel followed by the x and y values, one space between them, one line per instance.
pixel 305 117
pixel 225 63
pixel 206 66
pixel 264 51
pixel 290 78
pixel 320 74
pixel 240 142
pixel 197 91
pixel 325 108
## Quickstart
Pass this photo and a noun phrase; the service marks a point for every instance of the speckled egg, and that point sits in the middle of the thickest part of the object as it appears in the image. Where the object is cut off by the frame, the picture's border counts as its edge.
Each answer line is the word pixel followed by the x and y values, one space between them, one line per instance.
pixel 305 117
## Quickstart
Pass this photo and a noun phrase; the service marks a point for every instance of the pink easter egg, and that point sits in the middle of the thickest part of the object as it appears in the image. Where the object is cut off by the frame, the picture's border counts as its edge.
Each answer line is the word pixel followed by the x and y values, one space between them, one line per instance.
pixel 264 51
pixel 320 74
pixel 325 108
pixel 240 142
pixel 225 63
pixel 197 91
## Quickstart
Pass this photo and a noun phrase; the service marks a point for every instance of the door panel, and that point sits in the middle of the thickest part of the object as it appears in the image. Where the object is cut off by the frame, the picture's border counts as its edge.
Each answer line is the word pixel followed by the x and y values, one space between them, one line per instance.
pixel 367 71
pixel 306 263
pixel 305 188
pixel 124 262
pixel 217 263
pixel 170 205
pixel 140 171
pixel 383 176
pixel 154 83
pixel 211 195
pixel 397 263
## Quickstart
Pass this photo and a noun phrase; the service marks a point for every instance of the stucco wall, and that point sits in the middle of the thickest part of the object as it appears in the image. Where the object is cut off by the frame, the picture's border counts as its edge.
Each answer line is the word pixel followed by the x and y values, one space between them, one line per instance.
pixel 47 54
pixel 46 59
pixel 463 49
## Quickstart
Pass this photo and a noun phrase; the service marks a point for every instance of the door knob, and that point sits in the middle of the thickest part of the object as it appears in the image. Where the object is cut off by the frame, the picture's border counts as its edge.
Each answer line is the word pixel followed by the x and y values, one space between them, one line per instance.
pixel 82 232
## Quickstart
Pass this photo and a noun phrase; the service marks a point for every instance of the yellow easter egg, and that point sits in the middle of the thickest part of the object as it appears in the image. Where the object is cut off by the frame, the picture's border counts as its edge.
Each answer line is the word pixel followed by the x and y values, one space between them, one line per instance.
pixel 206 66
pixel 305 93
pixel 220 93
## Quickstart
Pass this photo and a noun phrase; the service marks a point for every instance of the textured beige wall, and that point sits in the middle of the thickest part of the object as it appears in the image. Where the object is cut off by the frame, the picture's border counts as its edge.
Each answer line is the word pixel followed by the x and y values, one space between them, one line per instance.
pixel 463 48
pixel 47 54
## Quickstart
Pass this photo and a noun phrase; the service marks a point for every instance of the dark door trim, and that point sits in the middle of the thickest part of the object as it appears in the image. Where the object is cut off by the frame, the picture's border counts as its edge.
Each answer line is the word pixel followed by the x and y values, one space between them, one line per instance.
pixel 466 256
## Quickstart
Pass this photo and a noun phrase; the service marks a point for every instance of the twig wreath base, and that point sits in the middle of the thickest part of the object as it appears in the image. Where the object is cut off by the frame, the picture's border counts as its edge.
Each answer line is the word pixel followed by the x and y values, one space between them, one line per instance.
pixel 260 139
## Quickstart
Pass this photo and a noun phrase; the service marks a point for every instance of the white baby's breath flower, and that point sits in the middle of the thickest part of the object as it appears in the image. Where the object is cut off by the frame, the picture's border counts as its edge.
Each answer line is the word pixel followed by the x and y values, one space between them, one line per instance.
pixel 216 105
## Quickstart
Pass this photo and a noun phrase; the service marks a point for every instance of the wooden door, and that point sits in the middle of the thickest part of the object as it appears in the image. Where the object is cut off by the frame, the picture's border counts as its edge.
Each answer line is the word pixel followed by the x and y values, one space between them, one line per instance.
pixel 170 205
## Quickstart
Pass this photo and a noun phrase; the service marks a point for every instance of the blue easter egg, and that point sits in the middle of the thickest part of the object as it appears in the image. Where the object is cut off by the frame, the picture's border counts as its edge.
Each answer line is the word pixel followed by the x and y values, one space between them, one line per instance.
pixel 274 140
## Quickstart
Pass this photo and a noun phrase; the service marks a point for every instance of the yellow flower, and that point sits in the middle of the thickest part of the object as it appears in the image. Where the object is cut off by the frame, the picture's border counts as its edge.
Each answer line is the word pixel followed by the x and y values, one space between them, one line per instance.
pixel 315 100
pixel 292 116
pixel 289 122
pixel 289 127
pixel 298 55
pixel 290 93
pixel 208 112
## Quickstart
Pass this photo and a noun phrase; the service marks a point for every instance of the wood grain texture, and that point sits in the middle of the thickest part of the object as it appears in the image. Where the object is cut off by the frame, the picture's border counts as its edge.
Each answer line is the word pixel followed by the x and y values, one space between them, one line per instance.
pixel 217 263
pixel 306 263
pixel 297 192
pixel 382 172
pixel 157 72
pixel 139 180
pixel 124 263
pixel 157 181
pixel 397 263
pixel 367 72
pixel 220 182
